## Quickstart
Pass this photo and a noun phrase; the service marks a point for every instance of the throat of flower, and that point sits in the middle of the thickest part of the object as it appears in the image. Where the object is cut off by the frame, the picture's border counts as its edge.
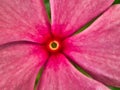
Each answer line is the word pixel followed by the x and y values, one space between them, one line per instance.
pixel 54 45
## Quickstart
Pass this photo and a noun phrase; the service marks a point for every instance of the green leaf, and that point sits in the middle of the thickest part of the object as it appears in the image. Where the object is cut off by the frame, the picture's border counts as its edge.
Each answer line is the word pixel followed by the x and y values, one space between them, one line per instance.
pixel 117 2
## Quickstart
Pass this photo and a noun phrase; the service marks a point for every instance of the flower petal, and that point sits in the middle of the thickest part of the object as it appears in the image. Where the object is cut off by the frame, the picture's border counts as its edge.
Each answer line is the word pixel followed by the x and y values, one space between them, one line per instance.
pixel 59 74
pixel 97 49
pixel 22 20
pixel 70 15
pixel 19 65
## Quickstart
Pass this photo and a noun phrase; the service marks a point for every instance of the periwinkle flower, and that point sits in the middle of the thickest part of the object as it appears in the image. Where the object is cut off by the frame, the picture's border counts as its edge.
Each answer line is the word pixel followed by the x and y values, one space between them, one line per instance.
pixel 30 41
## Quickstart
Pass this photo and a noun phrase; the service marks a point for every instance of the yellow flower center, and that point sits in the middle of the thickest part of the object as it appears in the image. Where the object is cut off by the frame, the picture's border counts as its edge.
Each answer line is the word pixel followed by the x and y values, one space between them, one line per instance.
pixel 54 45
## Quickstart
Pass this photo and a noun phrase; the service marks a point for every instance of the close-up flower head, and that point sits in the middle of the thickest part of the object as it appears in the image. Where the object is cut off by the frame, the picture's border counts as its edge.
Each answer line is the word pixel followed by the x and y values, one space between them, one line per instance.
pixel 61 45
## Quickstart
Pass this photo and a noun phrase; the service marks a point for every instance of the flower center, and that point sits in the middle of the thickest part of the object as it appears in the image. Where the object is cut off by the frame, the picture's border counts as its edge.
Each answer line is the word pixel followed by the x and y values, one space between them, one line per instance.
pixel 54 45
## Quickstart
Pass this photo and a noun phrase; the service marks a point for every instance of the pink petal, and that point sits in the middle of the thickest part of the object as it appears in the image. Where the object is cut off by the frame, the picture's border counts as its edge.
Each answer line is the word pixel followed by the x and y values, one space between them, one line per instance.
pixel 22 20
pixel 19 65
pixel 70 15
pixel 59 74
pixel 97 49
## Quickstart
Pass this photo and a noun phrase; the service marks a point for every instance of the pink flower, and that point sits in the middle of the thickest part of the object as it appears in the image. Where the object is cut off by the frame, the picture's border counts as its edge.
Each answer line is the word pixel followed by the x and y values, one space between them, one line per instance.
pixel 28 42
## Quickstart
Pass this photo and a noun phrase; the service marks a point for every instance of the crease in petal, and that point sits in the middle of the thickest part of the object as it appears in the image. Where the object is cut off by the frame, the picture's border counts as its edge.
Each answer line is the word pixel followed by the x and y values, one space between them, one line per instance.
pixel 19 66
pixel 70 15
pixel 59 74
pixel 97 49
pixel 23 20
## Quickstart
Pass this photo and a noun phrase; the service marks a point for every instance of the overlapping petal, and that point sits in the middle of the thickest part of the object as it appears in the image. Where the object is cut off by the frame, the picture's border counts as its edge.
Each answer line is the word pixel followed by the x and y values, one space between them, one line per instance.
pixel 59 74
pixel 19 65
pixel 97 49
pixel 23 20
pixel 70 15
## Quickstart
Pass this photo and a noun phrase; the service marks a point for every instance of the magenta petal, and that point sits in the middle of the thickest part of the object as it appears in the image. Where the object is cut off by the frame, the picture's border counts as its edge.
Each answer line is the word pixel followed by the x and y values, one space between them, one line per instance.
pixel 22 20
pixel 59 74
pixel 19 65
pixel 70 15
pixel 97 49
